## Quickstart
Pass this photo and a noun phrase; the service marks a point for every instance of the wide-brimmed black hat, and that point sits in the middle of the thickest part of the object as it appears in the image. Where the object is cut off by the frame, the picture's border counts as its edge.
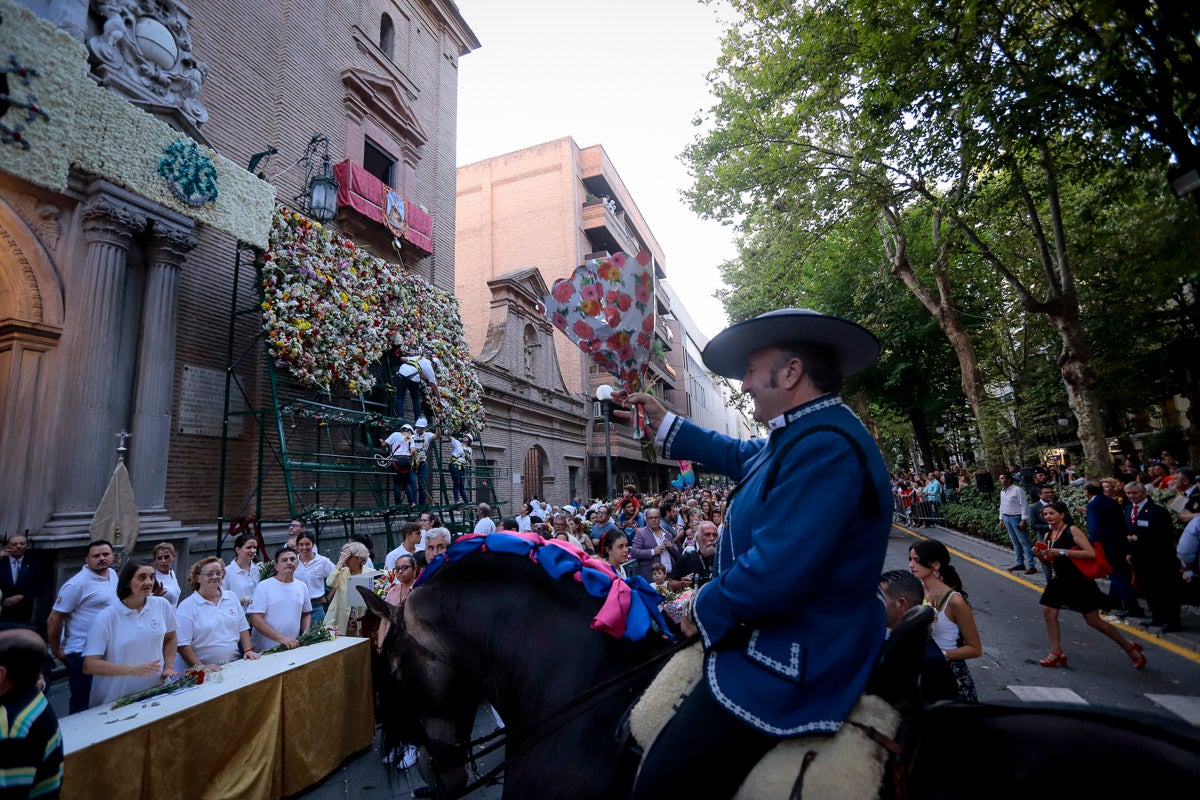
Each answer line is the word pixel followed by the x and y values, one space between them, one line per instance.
pixel 854 346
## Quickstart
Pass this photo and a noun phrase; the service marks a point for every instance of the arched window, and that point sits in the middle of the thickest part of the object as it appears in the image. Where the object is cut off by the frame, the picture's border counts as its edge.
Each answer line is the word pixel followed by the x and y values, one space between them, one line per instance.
pixel 387 36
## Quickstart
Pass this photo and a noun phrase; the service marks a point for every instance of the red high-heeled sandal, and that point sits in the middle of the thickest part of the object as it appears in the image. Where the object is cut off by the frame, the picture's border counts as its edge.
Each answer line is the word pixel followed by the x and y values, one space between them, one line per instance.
pixel 1135 654
pixel 1056 659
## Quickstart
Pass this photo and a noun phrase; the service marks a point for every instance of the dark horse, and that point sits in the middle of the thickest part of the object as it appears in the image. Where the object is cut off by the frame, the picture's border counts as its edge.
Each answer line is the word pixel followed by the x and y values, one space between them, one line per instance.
pixel 496 627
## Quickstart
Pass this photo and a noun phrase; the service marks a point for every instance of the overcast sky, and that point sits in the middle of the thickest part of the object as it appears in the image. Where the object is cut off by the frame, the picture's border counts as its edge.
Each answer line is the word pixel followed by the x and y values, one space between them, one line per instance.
pixel 628 75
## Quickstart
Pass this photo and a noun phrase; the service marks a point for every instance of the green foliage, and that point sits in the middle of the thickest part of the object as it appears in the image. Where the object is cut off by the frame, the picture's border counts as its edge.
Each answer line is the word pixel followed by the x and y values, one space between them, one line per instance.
pixel 1030 139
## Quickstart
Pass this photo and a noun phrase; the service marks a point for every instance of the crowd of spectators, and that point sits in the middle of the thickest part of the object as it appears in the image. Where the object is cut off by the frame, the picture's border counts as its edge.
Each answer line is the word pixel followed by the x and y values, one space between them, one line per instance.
pixel 1146 516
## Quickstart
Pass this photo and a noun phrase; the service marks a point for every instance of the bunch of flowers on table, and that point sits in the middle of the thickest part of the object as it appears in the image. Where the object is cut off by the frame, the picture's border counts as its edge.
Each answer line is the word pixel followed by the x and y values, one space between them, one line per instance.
pixel 331 310
pixel 314 635
pixel 193 676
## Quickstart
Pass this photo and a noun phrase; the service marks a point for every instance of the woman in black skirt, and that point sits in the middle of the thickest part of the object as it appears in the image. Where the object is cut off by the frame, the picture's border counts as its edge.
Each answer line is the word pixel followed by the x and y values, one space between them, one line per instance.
pixel 1068 588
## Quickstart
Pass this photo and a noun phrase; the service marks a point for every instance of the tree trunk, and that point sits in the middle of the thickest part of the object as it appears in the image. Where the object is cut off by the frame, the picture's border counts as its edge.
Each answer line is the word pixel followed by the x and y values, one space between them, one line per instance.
pixel 924 443
pixel 943 311
pixel 1083 393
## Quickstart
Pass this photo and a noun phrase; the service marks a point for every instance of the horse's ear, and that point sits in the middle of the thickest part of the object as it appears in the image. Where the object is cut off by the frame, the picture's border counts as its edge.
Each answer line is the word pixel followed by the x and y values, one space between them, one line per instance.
pixel 376 604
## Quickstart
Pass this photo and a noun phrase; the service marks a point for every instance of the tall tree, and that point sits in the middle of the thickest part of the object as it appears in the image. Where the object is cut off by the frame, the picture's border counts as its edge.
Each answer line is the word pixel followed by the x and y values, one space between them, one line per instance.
pixel 954 111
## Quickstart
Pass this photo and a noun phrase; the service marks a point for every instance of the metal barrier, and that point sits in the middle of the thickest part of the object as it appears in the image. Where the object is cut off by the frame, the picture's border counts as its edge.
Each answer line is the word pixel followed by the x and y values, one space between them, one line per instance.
pixel 918 512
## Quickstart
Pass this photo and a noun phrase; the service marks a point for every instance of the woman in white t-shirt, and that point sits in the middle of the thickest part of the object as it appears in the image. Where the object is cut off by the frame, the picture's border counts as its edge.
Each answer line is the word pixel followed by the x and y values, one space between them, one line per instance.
pixel 131 646
pixel 164 560
pixel 211 625
pixel 242 574
pixel 313 570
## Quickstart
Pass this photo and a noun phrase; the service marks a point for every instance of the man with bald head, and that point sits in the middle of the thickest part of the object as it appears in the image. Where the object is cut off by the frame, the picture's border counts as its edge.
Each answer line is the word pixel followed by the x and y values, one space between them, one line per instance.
pixel 31 752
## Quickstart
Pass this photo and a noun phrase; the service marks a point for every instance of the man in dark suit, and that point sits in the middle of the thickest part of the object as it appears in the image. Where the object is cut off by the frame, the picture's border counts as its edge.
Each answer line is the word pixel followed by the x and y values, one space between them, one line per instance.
pixel 1106 525
pixel 1033 517
pixel 22 581
pixel 1152 554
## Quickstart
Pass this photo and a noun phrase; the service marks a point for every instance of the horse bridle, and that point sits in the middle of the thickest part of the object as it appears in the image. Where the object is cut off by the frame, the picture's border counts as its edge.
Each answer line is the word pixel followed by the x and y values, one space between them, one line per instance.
pixel 554 719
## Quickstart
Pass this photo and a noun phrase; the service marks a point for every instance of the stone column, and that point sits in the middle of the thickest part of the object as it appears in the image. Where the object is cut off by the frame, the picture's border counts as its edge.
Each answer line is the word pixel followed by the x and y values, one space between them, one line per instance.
pixel 94 309
pixel 156 368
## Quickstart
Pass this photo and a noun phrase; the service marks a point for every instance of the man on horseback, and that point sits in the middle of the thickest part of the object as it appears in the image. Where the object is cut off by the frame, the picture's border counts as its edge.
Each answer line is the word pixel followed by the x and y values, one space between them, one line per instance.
pixel 791 621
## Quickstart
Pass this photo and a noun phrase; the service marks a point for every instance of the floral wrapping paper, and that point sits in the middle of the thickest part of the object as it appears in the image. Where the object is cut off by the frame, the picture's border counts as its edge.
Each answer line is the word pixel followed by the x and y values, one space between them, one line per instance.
pixel 331 310
pixel 607 308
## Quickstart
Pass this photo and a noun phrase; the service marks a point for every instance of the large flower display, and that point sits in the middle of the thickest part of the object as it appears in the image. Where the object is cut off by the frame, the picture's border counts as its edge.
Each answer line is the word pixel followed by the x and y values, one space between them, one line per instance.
pixel 331 310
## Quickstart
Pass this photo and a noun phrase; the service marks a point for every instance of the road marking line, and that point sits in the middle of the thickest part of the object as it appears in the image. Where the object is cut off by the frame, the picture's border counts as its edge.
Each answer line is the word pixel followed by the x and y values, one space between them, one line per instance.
pixel 1046 694
pixel 1181 705
pixel 1128 630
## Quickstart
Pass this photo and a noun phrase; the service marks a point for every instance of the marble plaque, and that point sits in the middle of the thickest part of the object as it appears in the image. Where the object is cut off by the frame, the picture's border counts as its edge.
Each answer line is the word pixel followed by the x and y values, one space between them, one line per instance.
pixel 202 402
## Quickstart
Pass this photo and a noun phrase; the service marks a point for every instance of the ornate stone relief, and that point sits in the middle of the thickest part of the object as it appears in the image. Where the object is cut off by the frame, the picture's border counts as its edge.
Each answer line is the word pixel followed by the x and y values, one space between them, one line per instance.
pixel 143 48
pixel 42 218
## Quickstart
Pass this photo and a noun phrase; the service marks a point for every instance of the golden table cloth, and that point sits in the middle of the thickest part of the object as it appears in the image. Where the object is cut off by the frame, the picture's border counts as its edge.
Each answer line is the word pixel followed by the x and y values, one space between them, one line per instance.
pixel 257 729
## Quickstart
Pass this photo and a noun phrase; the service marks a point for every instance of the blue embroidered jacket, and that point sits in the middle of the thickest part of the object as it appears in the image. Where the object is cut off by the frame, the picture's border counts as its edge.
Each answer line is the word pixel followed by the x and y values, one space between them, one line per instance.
pixel 792 620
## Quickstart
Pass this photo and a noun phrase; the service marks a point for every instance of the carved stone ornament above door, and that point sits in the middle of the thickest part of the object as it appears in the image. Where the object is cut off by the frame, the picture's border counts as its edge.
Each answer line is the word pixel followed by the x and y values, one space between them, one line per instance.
pixel 143 49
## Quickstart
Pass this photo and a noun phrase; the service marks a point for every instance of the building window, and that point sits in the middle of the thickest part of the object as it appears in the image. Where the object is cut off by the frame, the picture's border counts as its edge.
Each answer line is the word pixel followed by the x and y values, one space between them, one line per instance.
pixel 377 162
pixel 387 36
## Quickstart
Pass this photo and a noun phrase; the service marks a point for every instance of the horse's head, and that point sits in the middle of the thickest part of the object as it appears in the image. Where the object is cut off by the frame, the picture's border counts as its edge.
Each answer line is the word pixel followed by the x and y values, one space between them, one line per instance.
pixel 413 695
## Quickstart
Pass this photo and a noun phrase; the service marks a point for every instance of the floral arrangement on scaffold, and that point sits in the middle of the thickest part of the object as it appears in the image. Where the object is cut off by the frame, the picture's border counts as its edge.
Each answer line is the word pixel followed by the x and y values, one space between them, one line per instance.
pixel 607 308
pixel 331 310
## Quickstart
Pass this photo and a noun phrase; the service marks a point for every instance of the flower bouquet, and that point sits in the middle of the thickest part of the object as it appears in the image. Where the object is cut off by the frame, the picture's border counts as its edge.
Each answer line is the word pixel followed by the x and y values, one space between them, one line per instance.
pixel 266 570
pixel 675 608
pixel 607 308
pixel 194 676
pixel 315 635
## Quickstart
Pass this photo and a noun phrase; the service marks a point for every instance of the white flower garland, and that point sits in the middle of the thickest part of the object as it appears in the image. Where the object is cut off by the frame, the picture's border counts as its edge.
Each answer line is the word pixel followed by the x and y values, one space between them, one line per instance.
pixel 331 310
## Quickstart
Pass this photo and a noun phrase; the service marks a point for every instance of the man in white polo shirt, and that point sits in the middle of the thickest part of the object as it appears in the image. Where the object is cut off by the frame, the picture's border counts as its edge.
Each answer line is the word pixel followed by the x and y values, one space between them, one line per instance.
pixel 281 609
pixel 79 600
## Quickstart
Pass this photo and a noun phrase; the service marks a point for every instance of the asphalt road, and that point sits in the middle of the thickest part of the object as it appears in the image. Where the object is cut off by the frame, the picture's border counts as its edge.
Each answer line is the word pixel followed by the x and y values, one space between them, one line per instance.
pixel 1010 624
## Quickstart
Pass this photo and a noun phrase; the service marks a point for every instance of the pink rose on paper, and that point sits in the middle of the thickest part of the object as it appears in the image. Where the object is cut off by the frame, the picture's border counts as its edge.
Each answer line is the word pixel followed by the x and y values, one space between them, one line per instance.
pixel 619 299
pixel 643 294
pixel 582 329
pixel 608 270
pixel 618 340
pixel 625 353
pixel 648 324
pixel 591 291
pixel 559 321
pixel 643 258
pixel 643 341
pixel 590 308
pixel 594 344
pixel 563 291
pixel 618 260
pixel 613 316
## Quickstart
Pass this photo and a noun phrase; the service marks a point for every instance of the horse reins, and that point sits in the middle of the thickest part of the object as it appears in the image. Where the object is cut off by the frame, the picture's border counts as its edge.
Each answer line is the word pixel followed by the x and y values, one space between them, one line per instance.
pixel 543 727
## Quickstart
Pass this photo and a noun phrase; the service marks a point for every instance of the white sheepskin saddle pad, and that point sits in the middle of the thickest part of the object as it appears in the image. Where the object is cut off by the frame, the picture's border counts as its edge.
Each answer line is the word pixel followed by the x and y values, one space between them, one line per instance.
pixel 847 766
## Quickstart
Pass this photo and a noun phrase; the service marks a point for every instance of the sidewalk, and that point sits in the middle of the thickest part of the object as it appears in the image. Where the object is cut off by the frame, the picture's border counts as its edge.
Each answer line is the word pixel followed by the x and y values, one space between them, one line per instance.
pixel 1000 557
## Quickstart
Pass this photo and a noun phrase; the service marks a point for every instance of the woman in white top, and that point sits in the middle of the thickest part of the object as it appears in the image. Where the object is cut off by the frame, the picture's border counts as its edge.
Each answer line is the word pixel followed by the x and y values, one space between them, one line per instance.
pixel 131 646
pixel 929 561
pixel 164 560
pixel 211 625
pixel 242 574
pixel 313 570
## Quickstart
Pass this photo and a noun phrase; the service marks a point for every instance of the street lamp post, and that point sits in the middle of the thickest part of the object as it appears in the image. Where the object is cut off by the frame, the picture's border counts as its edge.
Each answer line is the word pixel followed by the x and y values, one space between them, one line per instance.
pixel 604 395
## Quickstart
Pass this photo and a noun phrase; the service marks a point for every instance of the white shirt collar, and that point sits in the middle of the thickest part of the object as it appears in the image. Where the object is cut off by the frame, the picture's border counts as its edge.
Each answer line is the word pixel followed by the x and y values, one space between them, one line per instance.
pixel 813 406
